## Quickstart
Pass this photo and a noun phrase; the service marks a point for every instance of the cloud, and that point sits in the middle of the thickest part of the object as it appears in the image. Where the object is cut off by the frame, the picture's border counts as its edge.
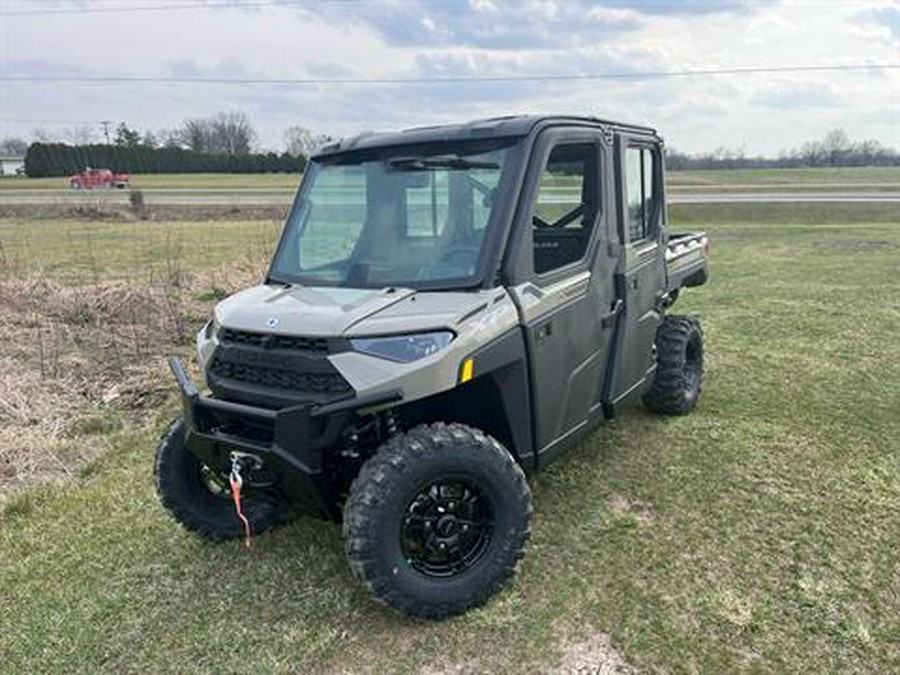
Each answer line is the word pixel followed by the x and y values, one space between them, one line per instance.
pixel 440 39
pixel 498 25
pixel 800 96
pixel 887 17
pixel 685 7
pixel 228 67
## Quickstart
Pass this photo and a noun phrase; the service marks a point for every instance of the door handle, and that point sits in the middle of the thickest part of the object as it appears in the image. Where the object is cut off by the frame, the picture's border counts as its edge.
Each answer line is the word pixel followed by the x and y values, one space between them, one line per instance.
pixel 607 320
pixel 543 332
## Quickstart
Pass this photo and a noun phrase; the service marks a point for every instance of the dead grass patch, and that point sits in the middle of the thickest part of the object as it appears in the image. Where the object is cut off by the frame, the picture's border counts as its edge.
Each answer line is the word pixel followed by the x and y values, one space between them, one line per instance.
pixel 593 655
pixel 75 361
pixel 640 511
pixel 34 415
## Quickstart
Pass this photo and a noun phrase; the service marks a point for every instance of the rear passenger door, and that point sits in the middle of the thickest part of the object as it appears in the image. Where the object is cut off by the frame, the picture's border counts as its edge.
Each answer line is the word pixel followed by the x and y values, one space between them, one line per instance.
pixel 641 279
pixel 567 284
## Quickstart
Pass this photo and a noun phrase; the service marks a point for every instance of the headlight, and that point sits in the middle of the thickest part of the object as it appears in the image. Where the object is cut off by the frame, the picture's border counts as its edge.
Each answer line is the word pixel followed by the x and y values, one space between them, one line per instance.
pixel 403 348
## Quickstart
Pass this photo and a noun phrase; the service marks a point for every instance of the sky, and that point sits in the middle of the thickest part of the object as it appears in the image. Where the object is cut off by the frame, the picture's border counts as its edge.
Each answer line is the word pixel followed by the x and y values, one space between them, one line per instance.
pixel 327 52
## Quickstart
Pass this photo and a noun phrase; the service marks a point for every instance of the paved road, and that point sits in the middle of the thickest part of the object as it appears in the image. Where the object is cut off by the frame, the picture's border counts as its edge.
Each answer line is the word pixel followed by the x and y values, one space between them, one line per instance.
pixel 279 197
pixel 781 197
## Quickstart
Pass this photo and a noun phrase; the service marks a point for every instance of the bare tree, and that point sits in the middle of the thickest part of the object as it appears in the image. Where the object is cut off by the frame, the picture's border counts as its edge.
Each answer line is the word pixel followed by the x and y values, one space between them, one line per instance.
pixel 80 135
pixel 13 147
pixel 170 138
pixel 149 139
pixel 232 133
pixel 832 150
pixel 196 134
pixel 227 133
pixel 41 135
pixel 835 146
pixel 301 142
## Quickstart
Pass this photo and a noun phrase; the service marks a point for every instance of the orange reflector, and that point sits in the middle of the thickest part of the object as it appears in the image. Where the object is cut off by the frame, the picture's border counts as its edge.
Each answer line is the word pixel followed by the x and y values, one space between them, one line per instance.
pixel 467 368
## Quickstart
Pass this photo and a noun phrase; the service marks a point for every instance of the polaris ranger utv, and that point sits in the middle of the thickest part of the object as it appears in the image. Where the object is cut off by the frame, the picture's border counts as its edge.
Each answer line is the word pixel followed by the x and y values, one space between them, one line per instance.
pixel 448 310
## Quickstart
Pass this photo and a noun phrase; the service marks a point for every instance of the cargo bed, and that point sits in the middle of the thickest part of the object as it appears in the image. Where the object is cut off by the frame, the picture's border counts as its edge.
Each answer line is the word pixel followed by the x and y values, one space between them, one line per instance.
pixel 687 260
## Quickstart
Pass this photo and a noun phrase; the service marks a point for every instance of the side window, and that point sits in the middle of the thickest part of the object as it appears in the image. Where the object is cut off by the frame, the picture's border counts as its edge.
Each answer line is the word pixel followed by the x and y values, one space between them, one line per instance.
pixel 565 207
pixel 640 192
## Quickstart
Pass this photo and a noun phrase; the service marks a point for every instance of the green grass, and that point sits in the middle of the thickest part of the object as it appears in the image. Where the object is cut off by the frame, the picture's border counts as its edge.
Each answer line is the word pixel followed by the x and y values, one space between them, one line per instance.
pixel 80 250
pixel 758 534
pixel 841 179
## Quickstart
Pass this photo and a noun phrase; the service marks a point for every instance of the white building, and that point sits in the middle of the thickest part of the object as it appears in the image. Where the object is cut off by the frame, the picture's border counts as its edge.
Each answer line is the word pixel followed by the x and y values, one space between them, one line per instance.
pixel 11 166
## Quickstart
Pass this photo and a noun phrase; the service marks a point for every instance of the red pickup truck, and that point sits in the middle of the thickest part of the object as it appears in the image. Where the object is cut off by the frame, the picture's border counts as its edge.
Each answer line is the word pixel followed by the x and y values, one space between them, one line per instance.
pixel 98 178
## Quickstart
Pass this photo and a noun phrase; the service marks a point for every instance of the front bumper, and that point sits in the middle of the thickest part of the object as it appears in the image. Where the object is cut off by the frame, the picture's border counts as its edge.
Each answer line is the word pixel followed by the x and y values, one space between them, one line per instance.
pixel 287 445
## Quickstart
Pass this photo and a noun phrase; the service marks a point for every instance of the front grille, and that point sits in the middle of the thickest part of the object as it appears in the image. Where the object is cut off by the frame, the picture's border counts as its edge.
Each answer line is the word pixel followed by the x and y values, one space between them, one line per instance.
pixel 270 341
pixel 275 370
pixel 313 385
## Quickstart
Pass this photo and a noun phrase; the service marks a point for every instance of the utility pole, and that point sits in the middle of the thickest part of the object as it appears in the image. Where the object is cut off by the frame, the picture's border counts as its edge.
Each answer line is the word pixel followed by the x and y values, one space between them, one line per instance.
pixel 106 124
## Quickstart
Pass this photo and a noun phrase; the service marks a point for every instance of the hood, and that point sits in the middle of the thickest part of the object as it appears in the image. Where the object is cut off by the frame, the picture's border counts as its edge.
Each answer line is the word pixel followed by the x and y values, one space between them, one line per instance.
pixel 428 311
pixel 351 312
pixel 301 310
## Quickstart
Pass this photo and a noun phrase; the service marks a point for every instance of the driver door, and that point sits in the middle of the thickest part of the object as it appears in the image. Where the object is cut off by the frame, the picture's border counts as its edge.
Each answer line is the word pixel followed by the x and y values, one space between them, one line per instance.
pixel 568 290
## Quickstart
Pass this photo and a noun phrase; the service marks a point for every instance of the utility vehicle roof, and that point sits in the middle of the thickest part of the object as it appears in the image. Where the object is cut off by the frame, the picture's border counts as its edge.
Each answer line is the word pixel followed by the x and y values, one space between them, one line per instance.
pixel 495 127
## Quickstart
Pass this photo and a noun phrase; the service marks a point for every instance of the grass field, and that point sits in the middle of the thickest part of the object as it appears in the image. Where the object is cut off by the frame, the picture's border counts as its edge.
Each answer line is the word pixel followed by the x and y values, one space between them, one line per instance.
pixel 759 534
pixel 807 179
pixel 76 251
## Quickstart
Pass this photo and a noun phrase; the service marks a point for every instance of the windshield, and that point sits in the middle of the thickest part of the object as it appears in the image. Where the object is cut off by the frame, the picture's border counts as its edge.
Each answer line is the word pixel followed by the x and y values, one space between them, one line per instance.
pixel 401 219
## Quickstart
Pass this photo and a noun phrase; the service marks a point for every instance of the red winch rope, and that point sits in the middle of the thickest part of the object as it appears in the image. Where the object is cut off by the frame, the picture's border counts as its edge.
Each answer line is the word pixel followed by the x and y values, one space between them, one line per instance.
pixel 235 482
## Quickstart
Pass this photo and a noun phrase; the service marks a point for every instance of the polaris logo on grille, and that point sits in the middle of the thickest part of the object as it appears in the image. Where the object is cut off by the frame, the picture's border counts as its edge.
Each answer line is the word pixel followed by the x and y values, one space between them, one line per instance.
pixel 273 322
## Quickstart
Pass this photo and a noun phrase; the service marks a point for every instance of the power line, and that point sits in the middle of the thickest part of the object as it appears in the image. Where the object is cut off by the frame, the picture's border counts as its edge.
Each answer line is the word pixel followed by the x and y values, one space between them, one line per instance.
pixel 14 120
pixel 240 4
pixel 624 75
pixel 236 4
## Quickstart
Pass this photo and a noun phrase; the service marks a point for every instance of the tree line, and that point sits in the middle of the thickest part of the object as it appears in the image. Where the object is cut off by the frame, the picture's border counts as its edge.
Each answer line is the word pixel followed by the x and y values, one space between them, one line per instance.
pixel 223 143
pixel 226 143
pixel 833 150
pixel 60 159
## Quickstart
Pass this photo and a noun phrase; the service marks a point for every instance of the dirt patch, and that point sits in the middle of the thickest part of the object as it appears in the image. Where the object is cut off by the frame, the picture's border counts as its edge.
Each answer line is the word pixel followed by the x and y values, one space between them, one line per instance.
pixel 640 511
pixel 593 655
pixel 154 212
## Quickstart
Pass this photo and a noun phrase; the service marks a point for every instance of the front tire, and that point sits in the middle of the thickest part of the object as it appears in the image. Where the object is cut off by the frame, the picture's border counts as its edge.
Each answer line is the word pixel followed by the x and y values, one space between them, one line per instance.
pixel 437 520
pixel 200 501
pixel 679 367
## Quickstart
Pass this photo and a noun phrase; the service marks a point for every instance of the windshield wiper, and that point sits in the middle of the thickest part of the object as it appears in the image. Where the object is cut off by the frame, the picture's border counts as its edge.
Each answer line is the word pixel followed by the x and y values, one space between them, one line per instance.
pixel 425 163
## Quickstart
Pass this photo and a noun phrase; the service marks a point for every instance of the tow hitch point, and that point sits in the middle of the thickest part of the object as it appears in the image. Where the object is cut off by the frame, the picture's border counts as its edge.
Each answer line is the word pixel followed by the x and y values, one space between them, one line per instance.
pixel 236 481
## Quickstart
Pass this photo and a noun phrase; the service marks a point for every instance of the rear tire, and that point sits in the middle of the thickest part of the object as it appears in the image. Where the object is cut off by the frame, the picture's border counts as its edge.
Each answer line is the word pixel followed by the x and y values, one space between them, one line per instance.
pixel 679 367
pixel 186 488
pixel 436 521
